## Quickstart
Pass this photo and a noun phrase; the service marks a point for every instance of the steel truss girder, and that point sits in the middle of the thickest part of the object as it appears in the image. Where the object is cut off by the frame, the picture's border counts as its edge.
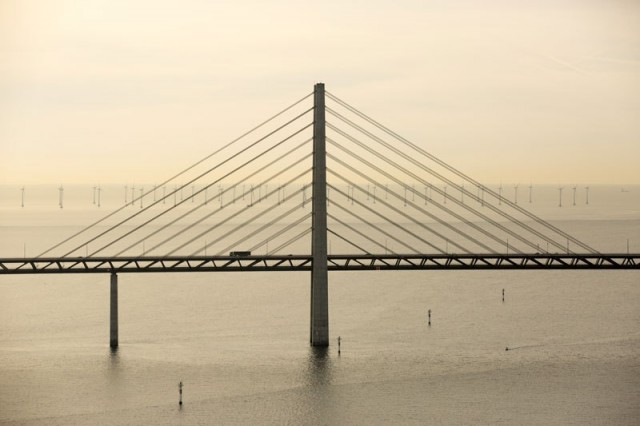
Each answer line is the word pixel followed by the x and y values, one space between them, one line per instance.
pixel 69 265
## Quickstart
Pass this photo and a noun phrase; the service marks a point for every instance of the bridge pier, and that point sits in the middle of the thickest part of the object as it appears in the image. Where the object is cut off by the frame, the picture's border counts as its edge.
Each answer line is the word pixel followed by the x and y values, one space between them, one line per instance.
pixel 319 275
pixel 113 324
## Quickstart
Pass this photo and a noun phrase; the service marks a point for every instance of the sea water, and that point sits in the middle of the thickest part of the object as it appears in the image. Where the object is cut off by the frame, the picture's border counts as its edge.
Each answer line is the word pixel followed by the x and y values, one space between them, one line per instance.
pixel 239 341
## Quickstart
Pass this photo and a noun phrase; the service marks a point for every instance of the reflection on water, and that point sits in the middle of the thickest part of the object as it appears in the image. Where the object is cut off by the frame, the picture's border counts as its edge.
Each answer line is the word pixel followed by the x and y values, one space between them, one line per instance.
pixel 315 400
pixel 113 361
pixel 318 367
pixel 112 371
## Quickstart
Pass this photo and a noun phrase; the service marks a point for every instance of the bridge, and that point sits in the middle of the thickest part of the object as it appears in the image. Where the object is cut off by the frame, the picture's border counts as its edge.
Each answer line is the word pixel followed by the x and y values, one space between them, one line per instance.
pixel 385 203
pixel 363 262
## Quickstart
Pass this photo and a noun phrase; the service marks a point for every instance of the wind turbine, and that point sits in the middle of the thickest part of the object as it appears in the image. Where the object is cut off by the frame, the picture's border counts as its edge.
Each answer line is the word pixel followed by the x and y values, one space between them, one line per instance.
pixel 587 188
pixel 560 195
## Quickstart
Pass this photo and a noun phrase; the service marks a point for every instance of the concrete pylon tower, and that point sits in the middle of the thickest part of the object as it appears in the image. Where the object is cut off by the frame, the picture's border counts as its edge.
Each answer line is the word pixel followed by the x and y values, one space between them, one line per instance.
pixel 319 276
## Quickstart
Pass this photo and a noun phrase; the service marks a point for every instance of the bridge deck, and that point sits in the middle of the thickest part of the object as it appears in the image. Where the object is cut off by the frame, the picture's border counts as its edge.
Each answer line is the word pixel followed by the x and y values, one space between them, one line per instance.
pixel 66 265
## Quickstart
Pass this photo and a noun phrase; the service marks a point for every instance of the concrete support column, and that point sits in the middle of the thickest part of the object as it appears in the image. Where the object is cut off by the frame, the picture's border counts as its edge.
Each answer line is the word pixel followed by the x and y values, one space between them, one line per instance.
pixel 319 276
pixel 113 324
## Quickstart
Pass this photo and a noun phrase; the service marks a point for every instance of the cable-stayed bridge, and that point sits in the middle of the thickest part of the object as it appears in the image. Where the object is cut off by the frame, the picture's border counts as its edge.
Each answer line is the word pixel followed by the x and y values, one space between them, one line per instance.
pixel 318 187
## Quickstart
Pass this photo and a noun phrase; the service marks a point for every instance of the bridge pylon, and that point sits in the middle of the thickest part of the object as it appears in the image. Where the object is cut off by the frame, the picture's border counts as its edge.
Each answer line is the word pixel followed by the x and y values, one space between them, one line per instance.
pixel 319 335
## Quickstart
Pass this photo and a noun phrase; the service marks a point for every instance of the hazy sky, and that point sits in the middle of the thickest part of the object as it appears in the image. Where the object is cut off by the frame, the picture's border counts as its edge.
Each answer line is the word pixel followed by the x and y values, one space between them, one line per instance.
pixel 133 90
